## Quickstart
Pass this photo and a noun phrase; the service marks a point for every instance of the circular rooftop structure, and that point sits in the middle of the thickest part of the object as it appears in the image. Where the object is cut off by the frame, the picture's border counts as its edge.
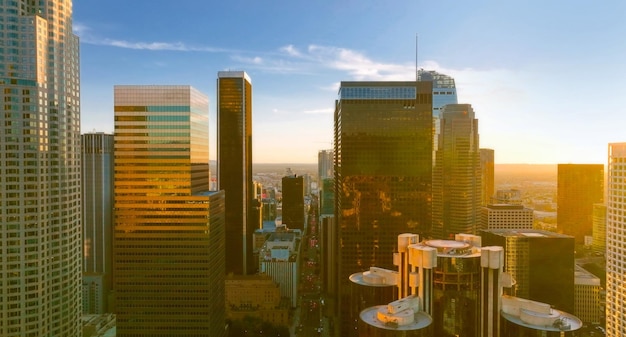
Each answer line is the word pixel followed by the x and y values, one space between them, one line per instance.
pixel 452 248
pixel 419 320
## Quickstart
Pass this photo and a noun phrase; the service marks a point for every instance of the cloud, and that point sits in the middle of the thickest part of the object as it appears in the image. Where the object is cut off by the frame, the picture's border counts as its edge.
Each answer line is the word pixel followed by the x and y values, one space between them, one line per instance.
pixel 319 111
pixel 86 36
pixel 291 51
pixel 250 60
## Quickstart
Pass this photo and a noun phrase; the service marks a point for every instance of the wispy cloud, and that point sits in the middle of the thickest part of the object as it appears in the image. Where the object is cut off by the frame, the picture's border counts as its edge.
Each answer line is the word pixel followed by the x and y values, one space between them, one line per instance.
pixel 86 36
pixel 319 111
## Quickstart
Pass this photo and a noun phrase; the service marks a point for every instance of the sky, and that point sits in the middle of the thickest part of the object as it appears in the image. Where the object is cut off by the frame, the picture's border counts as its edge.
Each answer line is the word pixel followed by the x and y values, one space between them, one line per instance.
pixel 545 78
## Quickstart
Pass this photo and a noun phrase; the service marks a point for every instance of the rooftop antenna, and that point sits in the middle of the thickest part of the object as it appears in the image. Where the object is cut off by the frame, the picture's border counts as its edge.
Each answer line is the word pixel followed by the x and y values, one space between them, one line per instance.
pixel 416 69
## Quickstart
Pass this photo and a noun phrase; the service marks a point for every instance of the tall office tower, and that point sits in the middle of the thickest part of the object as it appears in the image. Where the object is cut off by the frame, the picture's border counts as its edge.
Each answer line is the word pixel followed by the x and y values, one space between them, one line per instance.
pixel 234 165
pixel 456 176
pixel 541 263
pixel 325 162
pixel 487 164
pixel 503 216
pixel 615 238
pixel 598 243
pixel 579 186
pixel 383 152
pixel 40 203
pixel 444 92
pixel 97 194
pixel 168 242
pixel 293 202
pixel 327 197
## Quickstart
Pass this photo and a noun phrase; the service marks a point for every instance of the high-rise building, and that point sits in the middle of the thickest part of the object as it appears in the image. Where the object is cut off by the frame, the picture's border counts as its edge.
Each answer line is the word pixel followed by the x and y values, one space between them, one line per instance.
pixel 615 238
pixel 97 194
pixel 540 262
pixel 587 296
pixel 444 92
pixel 509 197
pixel 383 170
pixel 598 243
pixel 293 202
pixel 456 176
pixel 503 216
pixel 487 166
pixel 234 166
pixel 40 203
pixel 579 186
pixel 325 162
pixel 168 244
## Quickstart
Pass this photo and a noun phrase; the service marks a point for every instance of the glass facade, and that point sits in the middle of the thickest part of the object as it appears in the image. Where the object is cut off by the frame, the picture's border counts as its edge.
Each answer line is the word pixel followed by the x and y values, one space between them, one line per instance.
pixel 168 252
pixel 383 155
pixel 97 193
pixel 40 192
pixel 579 186
pixel 234 167
pixel 293 202
pixel 487 166
pixel 457 176
pixel 615 238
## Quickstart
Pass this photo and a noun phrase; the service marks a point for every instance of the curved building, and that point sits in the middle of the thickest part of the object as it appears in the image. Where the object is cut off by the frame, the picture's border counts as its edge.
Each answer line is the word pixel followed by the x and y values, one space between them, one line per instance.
pixel 40 207
pixel 526 318
pixel 371 288
pixel 456 286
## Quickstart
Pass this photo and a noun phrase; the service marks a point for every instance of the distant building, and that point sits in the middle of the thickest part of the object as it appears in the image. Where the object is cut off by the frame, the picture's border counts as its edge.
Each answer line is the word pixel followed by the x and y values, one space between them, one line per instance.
pixel 325 164
pixel 278 258
pixel 579 187
pixel 487 167
pixel 598 243
pixel 615 238
pixel 509 197
pixel 255 296
pixel 293 202
pixel 456 177
pixel 327 197
pixel 169 251
pixel 541 263
pixel 587 296
pixel 97 196
pixel 503 216
pixel 234 167
pixel 383 152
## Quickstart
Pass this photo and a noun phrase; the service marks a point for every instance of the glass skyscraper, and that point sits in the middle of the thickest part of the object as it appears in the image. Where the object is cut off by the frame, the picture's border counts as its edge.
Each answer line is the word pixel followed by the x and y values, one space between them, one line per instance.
pixel 40 193
pixel 234 167
pixel 168 248
pixel 457 176
pixel 579 187
pixel 615 238
pixel 383 151
pixel 97 180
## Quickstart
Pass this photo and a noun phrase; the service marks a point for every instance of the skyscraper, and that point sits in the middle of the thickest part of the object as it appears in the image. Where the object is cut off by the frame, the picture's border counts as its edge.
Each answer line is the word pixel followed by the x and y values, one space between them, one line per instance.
pixel 487 166
pixel 383 151
pixel 97 194
pixel 293 202
pixel 40 203
pixel 540 262
pixel 456 176
pixel 234 166
pixel 444 92
pixel 325 162
pixel 168 253
pixel 615 238
pixel 579 186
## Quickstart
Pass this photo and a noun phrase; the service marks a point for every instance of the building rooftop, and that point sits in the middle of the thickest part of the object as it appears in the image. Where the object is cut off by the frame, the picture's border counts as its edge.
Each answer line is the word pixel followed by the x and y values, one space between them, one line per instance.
pixel 527 233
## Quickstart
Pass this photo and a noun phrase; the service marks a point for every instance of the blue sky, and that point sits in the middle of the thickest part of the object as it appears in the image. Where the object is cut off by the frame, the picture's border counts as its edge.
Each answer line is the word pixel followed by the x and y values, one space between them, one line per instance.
pixel 545 78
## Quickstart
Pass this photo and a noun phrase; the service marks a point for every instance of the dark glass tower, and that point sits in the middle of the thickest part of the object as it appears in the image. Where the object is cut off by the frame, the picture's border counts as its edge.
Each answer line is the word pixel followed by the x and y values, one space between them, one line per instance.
pixel 293 202
pixel 234 166
pixel 383 150
pixel 579 186
pixel 97 193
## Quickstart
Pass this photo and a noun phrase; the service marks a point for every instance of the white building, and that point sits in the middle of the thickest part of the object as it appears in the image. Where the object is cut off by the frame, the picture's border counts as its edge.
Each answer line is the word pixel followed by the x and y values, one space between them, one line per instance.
pixel 615 238
pixel 587 296
pixel 505 216
pixel 279 259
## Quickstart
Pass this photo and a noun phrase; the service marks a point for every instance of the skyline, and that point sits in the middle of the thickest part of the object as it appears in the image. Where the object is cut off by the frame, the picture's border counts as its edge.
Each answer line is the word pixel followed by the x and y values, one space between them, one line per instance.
pixel 540 76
